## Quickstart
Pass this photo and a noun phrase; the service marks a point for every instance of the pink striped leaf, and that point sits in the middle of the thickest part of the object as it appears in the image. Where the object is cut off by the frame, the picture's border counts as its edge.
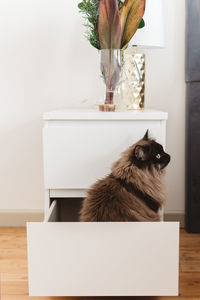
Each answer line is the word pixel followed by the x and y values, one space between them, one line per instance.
pixel 109 26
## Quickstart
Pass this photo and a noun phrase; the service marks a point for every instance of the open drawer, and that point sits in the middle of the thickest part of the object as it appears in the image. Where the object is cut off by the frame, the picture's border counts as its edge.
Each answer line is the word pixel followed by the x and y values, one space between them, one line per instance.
pixel 101 259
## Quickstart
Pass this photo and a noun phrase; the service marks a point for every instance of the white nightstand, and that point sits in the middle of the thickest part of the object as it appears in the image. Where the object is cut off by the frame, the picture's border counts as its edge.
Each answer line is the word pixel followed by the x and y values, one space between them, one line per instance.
pixel 68 258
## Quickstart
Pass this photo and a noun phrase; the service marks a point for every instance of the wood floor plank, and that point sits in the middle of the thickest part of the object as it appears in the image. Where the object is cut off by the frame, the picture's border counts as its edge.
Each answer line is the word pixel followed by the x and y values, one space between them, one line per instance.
pixel 190 284
pixel 14 278
pixel 190 267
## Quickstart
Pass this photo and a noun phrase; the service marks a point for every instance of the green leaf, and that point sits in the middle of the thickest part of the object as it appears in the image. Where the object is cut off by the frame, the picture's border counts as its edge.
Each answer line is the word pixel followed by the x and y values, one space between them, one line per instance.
pixel 81 5
pixel 93 39
pixel 120 3
pixel 142 24
pixel 91 20
pixel 89 9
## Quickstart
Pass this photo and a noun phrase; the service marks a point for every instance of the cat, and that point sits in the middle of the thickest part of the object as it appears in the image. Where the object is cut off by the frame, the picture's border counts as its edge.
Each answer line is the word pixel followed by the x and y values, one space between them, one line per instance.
pixel 133 191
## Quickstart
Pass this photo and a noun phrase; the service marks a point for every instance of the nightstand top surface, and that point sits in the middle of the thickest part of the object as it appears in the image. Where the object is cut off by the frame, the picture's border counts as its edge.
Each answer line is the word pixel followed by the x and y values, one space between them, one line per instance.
pixel 93 114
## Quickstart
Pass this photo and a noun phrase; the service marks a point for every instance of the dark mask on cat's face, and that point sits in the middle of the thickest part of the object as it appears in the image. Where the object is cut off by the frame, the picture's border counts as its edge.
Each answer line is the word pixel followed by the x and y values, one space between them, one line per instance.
pixel 148 153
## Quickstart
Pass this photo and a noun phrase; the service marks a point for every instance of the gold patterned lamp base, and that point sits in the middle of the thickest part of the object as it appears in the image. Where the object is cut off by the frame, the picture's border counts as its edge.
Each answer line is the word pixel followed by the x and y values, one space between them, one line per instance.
pixel 134 66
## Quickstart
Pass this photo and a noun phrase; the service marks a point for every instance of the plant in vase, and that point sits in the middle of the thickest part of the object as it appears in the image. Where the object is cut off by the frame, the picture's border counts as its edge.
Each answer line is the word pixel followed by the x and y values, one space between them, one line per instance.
pixel 111 25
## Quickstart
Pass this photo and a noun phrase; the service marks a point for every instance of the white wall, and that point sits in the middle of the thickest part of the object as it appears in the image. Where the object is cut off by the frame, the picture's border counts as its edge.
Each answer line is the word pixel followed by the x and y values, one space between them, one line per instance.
pixel 166 91
pixel 46 63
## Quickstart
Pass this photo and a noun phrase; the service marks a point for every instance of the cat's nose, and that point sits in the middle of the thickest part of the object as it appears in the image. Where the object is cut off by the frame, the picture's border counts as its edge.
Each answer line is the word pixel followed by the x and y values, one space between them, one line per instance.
pixel 168 158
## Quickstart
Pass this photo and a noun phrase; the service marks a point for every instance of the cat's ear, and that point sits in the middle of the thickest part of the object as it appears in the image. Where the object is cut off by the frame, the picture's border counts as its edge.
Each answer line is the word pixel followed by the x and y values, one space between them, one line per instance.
pixel 142 152
pixel 146 136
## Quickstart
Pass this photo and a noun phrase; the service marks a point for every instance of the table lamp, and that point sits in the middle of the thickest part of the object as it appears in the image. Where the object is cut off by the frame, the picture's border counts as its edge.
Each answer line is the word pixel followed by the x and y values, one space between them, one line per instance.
pixel 151 36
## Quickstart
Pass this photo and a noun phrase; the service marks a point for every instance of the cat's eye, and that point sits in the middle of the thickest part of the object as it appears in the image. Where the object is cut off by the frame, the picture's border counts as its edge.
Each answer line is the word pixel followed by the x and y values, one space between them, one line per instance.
pixel 158 156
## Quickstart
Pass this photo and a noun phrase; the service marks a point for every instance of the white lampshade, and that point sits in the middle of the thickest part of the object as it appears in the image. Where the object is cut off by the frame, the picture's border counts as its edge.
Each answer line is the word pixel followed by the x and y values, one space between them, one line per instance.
pixel 152 35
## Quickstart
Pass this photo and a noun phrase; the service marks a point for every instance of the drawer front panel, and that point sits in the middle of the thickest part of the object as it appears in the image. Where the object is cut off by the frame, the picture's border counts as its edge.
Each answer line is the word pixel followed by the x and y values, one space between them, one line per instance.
pixel 79 153
pixel 103 259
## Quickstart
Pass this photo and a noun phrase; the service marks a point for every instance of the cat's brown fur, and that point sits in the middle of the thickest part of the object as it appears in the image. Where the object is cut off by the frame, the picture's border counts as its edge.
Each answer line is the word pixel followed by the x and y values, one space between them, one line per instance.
pixel 131 192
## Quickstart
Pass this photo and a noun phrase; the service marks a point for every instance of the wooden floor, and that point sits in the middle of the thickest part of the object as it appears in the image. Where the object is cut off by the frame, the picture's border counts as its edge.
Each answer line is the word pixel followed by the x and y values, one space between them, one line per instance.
pixel 13 267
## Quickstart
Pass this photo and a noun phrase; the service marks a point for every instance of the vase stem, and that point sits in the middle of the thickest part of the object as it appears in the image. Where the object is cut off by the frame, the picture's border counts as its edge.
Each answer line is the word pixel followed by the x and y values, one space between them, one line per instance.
pixel 109 97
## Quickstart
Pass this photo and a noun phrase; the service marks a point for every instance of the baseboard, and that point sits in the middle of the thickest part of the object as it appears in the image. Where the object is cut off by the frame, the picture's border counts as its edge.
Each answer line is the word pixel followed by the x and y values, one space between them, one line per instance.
pixel 180 217
pixel 18 218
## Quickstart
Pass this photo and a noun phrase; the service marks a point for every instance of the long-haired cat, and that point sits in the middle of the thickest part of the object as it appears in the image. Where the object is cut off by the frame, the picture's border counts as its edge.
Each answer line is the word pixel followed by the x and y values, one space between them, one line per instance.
pixel 133 191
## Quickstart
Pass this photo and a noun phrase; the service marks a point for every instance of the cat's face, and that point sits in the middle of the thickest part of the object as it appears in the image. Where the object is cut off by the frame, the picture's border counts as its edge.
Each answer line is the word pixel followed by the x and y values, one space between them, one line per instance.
pixel 147 153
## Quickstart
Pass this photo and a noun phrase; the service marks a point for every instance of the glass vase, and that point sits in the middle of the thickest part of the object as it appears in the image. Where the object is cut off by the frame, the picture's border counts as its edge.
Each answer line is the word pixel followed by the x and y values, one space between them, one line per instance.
pixel 111 71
